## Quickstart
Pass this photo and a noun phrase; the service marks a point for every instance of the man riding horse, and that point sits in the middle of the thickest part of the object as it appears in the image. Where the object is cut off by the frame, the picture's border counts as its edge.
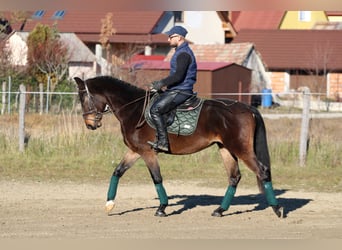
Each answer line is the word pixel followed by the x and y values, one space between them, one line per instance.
pixel 179 85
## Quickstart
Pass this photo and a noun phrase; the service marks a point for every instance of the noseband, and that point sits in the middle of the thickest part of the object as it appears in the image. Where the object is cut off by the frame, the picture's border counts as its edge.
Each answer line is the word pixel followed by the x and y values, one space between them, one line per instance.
pixel 92 108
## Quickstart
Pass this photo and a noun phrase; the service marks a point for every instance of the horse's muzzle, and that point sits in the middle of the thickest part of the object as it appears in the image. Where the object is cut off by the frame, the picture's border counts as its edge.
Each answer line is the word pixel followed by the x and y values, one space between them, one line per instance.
pixel 94 126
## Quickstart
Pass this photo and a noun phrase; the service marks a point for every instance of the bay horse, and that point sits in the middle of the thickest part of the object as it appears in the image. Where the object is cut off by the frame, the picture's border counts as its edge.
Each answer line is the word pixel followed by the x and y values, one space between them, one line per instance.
pixel 236 128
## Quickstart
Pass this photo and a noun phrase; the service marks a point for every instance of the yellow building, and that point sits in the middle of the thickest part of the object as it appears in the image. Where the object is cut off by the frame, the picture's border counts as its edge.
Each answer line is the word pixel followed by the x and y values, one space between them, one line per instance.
pixel 302 19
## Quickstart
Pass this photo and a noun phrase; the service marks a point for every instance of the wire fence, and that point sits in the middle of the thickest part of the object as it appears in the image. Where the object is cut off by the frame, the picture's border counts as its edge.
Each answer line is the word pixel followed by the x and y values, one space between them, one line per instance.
pixel 56 102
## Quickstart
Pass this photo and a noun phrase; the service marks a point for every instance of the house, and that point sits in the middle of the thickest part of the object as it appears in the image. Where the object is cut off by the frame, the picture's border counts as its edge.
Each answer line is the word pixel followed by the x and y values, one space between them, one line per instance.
pixel 82 62
pixel 199 22
pixel 302 19
pixel 297 58
pixel 279 20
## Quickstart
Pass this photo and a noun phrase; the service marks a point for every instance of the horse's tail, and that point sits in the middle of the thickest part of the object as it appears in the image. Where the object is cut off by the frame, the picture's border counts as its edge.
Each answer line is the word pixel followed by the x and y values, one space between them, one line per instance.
pixel 261 149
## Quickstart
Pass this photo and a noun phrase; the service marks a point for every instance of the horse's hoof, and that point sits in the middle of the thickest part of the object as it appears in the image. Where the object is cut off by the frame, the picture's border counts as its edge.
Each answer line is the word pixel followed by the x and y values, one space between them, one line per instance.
pixel 218 212
pixel 160 213
pixel 109 206
pixel 278 210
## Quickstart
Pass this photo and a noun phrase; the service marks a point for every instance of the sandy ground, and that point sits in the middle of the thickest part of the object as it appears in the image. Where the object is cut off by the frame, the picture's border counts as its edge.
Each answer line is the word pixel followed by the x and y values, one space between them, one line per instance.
pixel 30 210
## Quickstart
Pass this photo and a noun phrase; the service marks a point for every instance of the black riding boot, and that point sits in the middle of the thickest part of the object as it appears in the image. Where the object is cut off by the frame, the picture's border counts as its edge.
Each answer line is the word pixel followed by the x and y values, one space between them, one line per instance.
pixel 162 143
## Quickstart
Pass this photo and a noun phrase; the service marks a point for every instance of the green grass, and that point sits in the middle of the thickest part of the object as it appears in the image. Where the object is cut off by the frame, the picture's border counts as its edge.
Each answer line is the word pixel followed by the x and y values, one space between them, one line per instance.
pixel 60 148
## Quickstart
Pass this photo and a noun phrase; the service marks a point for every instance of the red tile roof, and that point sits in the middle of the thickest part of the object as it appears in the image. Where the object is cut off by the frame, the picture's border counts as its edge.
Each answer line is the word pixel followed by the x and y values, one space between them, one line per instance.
pixel 333 13
pixel 135 22
pixel 130 26
pixel 231 52
pixel 296 49
pixel 257 19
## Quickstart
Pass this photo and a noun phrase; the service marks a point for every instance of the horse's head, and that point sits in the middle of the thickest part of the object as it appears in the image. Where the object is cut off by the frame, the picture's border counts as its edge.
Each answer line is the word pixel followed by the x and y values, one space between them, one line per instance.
pixel 93 106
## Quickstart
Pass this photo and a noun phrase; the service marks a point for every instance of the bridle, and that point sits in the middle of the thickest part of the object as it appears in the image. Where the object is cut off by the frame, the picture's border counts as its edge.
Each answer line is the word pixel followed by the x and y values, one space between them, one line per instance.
pixel 92 108
pixel 99 114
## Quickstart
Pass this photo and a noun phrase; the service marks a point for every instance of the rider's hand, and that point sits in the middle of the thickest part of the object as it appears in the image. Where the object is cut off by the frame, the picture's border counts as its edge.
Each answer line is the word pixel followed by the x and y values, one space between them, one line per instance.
pixel 157 85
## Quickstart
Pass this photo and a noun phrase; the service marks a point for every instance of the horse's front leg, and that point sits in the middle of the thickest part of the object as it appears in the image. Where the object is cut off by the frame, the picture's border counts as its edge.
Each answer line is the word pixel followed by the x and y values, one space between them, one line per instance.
pixel 129 159
pixel 154 169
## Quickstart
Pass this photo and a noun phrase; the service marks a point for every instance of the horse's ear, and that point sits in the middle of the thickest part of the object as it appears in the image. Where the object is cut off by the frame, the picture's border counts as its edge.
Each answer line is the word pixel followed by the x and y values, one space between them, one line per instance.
pixel 80 82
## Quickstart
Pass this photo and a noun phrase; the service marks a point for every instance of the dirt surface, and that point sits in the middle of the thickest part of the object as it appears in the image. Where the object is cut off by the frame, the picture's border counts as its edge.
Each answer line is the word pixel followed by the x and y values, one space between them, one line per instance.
pixel 35 210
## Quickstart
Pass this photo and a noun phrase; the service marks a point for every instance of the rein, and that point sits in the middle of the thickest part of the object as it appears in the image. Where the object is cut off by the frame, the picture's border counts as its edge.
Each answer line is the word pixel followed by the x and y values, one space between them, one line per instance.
pixel 141 120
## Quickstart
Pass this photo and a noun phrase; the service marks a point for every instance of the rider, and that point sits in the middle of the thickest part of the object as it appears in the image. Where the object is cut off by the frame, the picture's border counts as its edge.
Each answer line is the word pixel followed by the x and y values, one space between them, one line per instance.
pixel 179 85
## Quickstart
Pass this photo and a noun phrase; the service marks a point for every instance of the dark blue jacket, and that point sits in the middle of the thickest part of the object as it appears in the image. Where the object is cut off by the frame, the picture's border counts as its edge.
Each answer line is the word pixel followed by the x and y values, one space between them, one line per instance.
pixel 190 76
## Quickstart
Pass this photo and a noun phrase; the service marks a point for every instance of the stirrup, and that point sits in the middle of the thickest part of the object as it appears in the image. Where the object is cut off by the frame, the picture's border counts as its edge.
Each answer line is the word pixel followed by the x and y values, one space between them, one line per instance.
pixel 158 148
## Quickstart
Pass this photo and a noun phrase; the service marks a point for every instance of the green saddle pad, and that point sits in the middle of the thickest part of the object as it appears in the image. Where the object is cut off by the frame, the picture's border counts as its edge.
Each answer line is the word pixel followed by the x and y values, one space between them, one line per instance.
pixel 185 121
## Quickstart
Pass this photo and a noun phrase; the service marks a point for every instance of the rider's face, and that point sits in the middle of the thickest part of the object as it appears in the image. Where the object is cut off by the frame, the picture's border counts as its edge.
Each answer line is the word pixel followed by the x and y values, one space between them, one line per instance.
pixel 174 40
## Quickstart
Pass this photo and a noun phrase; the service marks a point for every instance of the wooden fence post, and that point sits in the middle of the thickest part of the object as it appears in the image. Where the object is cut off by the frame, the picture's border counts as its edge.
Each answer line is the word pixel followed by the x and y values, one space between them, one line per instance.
pixel 9 94
pixel 47 94
pixel 41 98
pixel 22 100
pixel 304 134
pixel 3 98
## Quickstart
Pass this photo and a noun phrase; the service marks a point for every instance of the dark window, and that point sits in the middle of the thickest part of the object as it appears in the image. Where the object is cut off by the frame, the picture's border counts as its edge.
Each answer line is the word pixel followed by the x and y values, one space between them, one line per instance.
pixel 178 15
pixel 5 27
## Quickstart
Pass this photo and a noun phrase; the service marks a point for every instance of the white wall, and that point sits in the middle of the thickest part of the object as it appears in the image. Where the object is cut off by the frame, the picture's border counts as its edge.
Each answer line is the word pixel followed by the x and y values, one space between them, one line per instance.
pixel 18 50
pixel 204 27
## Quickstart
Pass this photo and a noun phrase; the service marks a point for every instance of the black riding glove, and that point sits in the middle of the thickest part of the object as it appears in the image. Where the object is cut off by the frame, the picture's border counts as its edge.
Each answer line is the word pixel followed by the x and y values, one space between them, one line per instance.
pixel 157 85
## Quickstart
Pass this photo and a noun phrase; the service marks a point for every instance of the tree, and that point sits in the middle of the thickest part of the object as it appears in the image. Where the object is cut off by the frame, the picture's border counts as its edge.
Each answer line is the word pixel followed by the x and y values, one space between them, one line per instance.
pixel 47 56
pixel 107 30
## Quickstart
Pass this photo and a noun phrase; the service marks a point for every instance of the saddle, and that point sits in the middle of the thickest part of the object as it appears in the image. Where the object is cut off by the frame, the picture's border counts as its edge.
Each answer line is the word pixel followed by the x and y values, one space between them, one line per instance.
pixel 182 120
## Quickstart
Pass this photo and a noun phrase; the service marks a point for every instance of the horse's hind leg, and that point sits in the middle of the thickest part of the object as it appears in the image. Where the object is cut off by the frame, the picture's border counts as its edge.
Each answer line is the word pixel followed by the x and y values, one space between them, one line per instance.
pixel 232 167
pixel 263 174
pixel 129 159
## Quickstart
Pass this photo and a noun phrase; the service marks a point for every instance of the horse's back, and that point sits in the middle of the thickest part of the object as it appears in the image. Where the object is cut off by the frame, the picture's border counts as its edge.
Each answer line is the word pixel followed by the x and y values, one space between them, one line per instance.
pixel 229 106
pixel 227 115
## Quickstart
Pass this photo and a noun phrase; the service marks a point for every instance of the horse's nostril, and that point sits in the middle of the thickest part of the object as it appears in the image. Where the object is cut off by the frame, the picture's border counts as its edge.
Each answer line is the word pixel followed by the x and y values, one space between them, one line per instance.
pixel 90 127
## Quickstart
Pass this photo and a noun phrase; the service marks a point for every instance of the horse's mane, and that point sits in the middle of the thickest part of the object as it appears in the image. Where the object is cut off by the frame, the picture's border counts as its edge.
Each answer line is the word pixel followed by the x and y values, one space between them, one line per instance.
pixel 109 83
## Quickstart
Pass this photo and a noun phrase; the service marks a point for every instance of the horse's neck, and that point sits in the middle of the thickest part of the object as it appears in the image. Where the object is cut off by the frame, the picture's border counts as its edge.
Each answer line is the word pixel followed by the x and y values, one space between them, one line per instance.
pixel 126 105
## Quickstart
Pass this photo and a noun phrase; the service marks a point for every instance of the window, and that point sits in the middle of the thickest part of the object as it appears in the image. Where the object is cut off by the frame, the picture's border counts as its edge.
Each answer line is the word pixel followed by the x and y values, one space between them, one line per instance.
pixel 178 15
pixel 38 14
pixel 59 14
pixel 304 16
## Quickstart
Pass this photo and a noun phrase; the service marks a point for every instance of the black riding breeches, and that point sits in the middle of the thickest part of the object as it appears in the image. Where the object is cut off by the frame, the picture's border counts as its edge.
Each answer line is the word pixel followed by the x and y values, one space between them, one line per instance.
pixel 168 101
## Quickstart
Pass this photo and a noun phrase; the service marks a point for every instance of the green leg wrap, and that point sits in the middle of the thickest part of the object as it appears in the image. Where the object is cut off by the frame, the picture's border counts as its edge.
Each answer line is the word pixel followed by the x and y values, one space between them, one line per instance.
pixel 113 186
pixel 162 194
pixel 270 196
pixel 227 199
